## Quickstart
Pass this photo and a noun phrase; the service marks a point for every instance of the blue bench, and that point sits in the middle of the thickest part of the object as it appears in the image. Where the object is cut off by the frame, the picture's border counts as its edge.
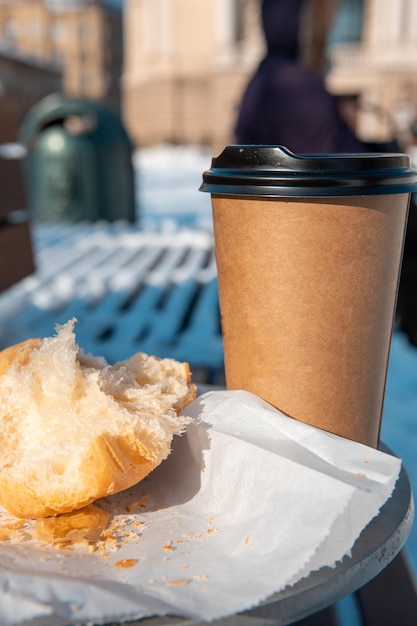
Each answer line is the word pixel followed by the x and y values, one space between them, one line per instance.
pixel 130 291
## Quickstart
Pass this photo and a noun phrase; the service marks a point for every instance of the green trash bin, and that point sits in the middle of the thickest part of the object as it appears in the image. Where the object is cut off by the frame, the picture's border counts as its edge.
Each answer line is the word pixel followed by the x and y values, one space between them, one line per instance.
pixel 79 162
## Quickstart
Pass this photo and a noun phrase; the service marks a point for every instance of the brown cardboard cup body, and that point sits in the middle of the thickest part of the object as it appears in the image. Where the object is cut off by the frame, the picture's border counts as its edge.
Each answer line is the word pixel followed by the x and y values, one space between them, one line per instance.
pixel 307 292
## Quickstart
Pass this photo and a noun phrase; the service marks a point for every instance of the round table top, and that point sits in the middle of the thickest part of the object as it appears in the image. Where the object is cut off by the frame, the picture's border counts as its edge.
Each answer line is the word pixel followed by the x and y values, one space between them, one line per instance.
pixel 378 544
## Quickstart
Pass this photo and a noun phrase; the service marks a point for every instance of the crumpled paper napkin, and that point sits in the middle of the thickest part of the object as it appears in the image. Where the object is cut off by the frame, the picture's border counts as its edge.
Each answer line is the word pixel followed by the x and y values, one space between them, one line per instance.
pixel 248 502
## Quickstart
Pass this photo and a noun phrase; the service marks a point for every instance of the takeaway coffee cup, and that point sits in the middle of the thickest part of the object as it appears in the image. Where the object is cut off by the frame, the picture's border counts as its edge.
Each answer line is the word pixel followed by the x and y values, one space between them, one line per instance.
pixel 308 251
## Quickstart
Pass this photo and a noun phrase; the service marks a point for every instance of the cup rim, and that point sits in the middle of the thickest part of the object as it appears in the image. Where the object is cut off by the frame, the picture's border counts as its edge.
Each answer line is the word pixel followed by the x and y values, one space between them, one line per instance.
pixel 255 170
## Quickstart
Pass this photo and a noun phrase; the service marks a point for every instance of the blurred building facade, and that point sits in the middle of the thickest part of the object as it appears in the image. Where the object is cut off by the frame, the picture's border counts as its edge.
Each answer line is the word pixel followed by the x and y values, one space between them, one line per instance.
pixel 82 39
pixel 23 82
pixel 377 64
pixel 187 63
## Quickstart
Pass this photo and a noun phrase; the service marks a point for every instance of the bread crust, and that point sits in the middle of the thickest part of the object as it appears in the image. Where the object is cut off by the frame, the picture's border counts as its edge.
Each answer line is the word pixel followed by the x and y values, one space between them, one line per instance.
pixel 111 466
pixel 19 353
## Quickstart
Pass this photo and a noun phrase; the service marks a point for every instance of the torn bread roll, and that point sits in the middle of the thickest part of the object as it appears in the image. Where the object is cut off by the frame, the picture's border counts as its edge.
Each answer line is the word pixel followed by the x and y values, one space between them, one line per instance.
pixel 74 428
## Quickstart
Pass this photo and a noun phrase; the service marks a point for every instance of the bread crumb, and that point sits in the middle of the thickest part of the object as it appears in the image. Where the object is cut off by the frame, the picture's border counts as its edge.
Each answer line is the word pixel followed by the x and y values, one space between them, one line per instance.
pixel 86 524
pixel 141 503
pixel 9 531
pixel 195 535
pixel 179 582
pixel 126 563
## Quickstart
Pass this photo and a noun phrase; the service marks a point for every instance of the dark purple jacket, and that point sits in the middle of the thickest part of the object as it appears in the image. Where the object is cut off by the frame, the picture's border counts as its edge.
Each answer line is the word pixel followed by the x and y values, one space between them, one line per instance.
pixel 285 103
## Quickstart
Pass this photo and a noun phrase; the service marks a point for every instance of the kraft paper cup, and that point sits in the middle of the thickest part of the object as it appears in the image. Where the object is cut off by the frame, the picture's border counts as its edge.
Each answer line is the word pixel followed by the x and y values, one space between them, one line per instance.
pixel 308 252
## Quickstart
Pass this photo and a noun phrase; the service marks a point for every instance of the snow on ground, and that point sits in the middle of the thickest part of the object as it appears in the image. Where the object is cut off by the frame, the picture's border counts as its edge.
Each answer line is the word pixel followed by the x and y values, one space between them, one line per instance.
pixel 167 181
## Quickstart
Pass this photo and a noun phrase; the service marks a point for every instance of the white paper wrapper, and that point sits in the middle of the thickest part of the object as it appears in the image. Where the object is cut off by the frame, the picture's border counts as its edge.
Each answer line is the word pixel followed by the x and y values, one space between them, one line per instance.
pixel 248 502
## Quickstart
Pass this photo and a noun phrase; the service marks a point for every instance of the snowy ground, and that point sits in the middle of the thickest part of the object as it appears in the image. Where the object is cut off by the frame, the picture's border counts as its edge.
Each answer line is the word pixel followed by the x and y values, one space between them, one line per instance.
pixel 168 179
pixel 168 182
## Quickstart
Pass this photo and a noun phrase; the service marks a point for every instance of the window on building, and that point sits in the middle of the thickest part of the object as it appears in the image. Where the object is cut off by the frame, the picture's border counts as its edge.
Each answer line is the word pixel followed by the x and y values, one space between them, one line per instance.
pixel 58 31
pixel 84 32
pixel 58 59
pixel 238 8
pixel 107 33
pixel 35 30
pixel 347 27
pixel 10 32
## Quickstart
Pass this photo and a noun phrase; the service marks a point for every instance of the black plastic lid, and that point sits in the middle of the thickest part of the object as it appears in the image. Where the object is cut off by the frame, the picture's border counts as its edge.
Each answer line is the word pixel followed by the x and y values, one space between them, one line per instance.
pixel 250 170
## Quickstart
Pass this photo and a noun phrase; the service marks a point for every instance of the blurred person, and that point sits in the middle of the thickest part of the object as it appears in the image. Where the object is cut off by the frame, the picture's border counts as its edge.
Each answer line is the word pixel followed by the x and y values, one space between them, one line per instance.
pixel 286 103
